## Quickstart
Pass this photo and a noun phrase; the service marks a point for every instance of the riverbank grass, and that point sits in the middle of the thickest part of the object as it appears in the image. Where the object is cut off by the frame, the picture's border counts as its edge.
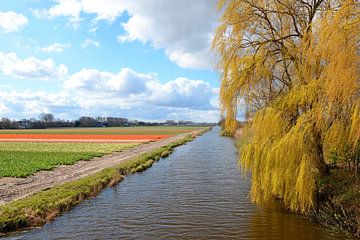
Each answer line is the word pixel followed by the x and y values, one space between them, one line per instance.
pixel 339 201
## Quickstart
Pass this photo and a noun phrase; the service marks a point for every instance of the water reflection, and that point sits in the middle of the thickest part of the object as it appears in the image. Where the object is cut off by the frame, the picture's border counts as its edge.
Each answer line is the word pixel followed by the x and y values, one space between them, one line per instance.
pixel 274 222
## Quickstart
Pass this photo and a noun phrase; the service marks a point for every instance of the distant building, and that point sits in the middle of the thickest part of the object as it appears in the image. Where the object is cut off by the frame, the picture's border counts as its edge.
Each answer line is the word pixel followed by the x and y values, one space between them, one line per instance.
pixel 24 124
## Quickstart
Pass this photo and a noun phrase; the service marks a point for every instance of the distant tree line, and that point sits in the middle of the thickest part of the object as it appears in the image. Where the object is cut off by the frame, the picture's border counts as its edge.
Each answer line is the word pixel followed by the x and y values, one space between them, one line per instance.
pixel 47 120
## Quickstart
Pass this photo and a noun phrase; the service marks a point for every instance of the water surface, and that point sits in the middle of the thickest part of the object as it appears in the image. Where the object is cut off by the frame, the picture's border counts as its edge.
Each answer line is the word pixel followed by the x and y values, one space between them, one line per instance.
pixel 196 193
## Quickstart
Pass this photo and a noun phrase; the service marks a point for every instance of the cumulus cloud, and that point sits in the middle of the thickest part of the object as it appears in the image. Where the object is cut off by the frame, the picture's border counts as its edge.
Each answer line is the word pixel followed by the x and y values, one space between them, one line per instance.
pixel 72 105
pixel 130 82
pixel 4 109
pixel 129 86
pixel 73 9
pixel 125 82
pixel 31 67
pixel 93 92
pixel 183 29
pixel 55 47
pixel 30 103
pixel 181 92
pixel 89 42
pixel 12 21
pixel 137 95
pixel 87 79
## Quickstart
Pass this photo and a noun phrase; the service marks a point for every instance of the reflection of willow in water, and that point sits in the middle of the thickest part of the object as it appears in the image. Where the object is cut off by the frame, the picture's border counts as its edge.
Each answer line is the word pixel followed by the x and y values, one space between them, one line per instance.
pixel 284 225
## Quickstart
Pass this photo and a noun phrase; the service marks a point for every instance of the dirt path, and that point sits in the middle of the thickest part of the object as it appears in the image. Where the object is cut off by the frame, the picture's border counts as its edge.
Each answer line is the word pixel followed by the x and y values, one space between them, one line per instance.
pixel 17 188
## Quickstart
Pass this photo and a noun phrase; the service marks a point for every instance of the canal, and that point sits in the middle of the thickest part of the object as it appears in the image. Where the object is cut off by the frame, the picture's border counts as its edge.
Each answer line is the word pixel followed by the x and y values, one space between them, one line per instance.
pixel 196 193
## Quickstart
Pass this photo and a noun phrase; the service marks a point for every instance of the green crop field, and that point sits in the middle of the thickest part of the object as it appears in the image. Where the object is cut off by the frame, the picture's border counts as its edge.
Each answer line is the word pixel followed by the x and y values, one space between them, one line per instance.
pixel 161 130
pixel 19 159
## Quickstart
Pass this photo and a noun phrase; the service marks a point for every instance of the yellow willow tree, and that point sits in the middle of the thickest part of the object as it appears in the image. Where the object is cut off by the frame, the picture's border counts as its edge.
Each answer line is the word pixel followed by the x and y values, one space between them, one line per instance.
pixel 295 64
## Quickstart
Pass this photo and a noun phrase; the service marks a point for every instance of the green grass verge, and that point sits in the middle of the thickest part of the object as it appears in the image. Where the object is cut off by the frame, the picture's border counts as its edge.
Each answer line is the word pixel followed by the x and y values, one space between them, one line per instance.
pixel 24 159
pixel 42 207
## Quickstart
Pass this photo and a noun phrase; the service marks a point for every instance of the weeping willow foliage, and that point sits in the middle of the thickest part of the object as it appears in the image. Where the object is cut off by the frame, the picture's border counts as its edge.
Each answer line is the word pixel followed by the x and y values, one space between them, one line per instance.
pixel 295 64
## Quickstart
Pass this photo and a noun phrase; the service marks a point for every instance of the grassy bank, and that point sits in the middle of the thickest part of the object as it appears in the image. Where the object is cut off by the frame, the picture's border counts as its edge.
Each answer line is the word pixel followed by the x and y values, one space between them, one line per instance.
pixel 338 203
pixel 40 208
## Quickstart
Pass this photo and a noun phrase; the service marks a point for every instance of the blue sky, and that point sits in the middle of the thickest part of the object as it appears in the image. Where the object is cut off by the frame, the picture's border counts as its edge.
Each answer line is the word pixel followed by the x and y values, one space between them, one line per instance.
pixel 144 59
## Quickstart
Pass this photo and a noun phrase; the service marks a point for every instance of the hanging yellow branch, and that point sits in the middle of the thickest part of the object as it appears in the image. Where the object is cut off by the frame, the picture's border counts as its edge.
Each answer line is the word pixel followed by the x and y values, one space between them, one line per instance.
pixel 295 64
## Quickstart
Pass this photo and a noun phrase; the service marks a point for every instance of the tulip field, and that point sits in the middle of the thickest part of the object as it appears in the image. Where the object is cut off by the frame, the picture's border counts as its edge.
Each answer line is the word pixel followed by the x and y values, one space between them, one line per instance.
pixel 25 152
pixel 108 135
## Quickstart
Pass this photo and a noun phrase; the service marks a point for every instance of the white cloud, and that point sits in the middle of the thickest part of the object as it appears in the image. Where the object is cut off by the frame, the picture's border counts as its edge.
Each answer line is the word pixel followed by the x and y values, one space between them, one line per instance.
pixel 183 28
pixel 72 105
pixel 130 86
pixel 87 79
pixel 30 103
pixel 73 9
pixel 142 96
pixel 124 83
pixel 12 21
pixel 126 93
pixel 181 92
pixel 89 42
pixel 130 82
pixel 55 47
pixel 31 67
pixel 4 109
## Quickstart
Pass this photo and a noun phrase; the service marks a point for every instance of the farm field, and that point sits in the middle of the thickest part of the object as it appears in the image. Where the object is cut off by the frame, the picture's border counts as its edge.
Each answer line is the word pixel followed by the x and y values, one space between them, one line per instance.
pixel 25 152
pixel 108 135
pixel 106 131
pixel 104 138
pixel 24 159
